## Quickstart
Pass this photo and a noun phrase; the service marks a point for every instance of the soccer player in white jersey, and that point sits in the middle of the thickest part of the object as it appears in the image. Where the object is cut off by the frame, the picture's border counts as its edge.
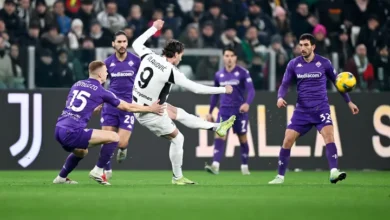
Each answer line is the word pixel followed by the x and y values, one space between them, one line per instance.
pixel 155 76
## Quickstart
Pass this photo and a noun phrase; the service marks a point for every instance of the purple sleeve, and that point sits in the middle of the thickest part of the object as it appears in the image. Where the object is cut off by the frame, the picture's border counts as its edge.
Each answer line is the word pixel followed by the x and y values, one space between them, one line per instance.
pixel 250 88
pixel 331 74
pixel 110 98
pixel 287 78
pixel 215 97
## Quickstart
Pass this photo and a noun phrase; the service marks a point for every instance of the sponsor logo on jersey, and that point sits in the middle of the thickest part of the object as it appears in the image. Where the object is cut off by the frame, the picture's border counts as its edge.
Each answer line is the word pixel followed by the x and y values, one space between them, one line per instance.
pixel 233 82
pixel 309 75
pixel 125 73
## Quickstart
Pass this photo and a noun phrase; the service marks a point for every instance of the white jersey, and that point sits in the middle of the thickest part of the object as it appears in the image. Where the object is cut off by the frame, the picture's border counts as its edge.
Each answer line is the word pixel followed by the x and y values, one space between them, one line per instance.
pixel 156 75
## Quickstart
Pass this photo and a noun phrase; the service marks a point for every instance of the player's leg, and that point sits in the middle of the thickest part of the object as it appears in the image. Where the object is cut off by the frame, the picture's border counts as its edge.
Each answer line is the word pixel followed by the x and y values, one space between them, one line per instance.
pixel 163 126
pixel 126 126
pixel 240 128
pixel 299 125
pixel 194 122
pixel 108 168
pixel 219 151
pixel 69 138
pixel 327 133
pixel 176 156
pixel 109 141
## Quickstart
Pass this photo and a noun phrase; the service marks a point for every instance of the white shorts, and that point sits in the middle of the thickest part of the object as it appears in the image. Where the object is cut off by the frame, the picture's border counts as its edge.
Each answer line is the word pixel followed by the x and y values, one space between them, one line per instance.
pixel 160 125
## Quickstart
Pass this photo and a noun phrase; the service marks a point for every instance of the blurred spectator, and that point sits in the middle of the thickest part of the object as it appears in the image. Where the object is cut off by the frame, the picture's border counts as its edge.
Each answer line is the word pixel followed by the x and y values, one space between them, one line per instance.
pixel 229 38
pixel 299 21
pixel 17 72
pixel 44 72
pixel 63 21
pixel 251 44
pixel 242 26
pixel 32 37
pixel 25 11
pixel 101 37
pixel 343 46
pixel 322 42
pixel 62 72
pixel 53 40
pixel 148 7
pixel 282 22
pixel 369 35
pixel 359 11
pixel 136 21
pixel 281 65
pixel 76 34
pixel 6 76
pixel 382 68
pixel 186 5
pixel 72 7
pixel 208 36
pixel 4 33
pixel 42 16
pixel 11 19
pixel 195 15
pixel 206 68
pixel 361 67
pixel 262 21
pixel 331 15
pixel 297 50
pixel 172 21
pixel 191 38
pixel 233 10
pixel 130 35
pixel 86 14
pixel 289 44
pixel 276 46
pixel 214 15
pixel 167 35
pixel 257 73
pixel 110 18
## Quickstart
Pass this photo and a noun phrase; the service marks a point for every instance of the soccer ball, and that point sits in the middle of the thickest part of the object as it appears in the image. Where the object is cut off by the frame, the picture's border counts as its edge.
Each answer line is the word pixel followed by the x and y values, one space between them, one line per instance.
pixel 345 82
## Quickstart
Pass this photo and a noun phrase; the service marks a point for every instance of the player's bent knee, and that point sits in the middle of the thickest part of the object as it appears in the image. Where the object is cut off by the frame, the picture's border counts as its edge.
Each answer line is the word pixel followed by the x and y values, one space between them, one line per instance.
pixel 123 143
pixel 242 138
pixel 80 152
pixel 114 137
pixel 328 138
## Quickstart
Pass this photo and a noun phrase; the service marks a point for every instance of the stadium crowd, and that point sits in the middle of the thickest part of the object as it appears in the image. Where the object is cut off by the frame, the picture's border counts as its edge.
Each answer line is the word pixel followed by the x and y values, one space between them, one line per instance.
pixel 66 33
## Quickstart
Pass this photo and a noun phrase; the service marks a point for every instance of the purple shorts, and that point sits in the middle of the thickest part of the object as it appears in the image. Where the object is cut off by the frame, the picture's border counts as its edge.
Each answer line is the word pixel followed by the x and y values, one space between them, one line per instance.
pixel 71 139
pixel 240 126
pixel 114 117
pixel 303 120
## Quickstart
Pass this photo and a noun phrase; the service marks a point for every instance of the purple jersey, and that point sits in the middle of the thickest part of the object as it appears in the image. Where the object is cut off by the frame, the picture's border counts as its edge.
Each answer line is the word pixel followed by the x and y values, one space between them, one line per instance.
pixel 241 81
pixel 122 75
pixel 311 81
pixel 83 98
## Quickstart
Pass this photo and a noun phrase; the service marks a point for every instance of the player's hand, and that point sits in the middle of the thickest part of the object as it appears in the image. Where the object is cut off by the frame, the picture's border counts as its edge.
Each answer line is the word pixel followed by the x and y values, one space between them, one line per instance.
pixel 97 109
pixel 157 108
pixel 244 108
pixel 158 24
pixel 209 118
pixel 229 89
pixel 281 103
pixel 354 108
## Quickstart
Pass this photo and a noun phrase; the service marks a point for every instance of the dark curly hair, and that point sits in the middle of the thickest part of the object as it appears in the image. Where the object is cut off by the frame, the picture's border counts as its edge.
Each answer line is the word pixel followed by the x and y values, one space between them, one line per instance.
pixel 172 47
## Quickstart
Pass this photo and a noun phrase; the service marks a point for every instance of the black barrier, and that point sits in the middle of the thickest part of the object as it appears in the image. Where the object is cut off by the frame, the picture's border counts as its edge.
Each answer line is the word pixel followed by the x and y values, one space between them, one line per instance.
pixel 28 121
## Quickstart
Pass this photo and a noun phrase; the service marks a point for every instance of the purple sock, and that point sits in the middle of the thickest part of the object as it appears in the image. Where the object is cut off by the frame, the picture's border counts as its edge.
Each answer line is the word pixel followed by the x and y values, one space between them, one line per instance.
pixel 70 163
pixel 106 152
pixel 331 154
pixel 108 166
pixel 219 149
pixel 244 153
pixel 284 157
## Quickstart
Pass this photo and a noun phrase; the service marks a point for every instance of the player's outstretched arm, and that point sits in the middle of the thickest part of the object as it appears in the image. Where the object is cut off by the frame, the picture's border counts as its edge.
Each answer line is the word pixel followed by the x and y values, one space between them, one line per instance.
pixel 138 44
pixel 130 107
pixel 181 80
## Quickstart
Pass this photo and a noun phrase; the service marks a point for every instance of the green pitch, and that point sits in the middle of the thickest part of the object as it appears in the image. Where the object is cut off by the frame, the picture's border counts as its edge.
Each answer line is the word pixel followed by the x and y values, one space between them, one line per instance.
pixel 137 195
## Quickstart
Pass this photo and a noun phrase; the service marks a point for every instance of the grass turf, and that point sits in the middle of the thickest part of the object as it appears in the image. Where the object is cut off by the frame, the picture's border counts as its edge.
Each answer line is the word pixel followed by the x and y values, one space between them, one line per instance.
pixel 149 195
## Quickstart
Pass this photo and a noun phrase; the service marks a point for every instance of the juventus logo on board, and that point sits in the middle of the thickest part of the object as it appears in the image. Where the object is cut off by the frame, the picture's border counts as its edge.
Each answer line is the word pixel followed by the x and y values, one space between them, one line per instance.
pixel 22 142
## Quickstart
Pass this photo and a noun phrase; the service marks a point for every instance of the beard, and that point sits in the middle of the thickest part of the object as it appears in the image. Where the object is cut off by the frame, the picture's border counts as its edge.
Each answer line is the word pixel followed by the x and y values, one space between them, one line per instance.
pixel 121 50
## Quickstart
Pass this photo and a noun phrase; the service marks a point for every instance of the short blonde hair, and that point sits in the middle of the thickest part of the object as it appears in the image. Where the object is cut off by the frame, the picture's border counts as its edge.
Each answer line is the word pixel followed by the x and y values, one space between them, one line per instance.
pixel 94 65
